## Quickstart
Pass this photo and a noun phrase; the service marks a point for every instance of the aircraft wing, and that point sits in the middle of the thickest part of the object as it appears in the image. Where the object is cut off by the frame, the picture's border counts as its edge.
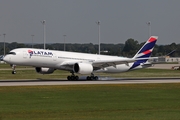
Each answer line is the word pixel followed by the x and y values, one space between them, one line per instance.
pixel 98 64
pixel 107 63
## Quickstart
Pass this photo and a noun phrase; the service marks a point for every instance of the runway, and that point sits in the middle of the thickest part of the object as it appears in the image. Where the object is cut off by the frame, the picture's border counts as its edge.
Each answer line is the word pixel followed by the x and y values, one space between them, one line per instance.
pixel 83 82
pixel 103 80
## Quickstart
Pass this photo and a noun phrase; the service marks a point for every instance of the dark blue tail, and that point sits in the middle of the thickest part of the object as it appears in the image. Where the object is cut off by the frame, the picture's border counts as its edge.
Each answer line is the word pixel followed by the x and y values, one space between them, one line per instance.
pixel 145 51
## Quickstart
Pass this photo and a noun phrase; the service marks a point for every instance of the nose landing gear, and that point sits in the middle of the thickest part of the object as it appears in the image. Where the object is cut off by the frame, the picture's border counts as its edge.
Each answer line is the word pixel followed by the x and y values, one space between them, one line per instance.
pixel 13 69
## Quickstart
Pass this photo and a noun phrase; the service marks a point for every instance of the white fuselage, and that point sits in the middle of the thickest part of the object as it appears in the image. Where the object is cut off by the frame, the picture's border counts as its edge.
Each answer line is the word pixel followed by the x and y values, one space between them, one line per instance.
pixel 57 59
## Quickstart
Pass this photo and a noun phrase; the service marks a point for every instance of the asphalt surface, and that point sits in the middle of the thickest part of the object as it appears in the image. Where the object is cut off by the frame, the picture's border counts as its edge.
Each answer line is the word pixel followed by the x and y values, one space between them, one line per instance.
pixel 164 66
pixel 81 82
pixel 103 80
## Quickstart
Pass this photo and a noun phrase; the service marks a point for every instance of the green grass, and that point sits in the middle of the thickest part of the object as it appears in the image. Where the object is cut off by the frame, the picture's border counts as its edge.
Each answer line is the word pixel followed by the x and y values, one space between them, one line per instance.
pixel 4 66
pixel 24 72
pixel 91 102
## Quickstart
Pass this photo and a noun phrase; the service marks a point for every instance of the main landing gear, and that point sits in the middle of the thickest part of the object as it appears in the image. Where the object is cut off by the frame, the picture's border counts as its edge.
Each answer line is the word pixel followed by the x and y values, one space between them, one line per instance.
pixel 92 77
pixel 74 77
pixel 13 69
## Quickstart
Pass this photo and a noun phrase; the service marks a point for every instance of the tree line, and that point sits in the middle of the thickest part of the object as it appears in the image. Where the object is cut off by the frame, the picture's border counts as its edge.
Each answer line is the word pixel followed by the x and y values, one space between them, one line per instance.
pixel 128 49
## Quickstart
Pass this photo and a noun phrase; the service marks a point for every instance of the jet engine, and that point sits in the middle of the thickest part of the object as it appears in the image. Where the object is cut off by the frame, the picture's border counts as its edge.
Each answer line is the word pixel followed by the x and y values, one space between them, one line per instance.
pixel 42 70
pixel 83 68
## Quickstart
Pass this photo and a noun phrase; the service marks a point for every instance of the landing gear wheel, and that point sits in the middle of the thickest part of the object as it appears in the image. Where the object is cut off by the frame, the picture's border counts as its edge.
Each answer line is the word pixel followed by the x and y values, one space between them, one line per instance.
pixel 88 78
pixel 92 78
pixel 76 78
pixel 95 77
pixel 73 77
pixel 68 77
pixel 14 69
pixel 13 72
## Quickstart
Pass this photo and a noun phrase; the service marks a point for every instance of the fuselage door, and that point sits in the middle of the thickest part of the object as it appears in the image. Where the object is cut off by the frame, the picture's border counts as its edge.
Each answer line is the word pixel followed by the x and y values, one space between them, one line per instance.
pixel 54 57
pixel 25 54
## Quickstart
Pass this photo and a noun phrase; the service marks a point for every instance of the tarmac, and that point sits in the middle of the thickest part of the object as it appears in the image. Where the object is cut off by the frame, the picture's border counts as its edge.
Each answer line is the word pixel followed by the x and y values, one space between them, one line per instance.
pixel 84 82
pixel 102 80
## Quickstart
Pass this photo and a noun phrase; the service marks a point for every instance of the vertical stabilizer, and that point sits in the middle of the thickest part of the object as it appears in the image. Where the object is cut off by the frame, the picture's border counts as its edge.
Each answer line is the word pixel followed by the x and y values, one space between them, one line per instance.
pixel 145 51
pixel 147 48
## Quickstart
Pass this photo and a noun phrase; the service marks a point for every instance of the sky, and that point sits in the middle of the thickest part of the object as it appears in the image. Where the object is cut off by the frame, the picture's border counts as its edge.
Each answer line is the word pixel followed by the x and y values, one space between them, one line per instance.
pixel 119 20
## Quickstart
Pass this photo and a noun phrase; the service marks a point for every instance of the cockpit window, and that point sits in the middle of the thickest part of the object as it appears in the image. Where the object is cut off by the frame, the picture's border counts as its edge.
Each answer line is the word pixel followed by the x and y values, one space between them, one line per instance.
pixel 12 53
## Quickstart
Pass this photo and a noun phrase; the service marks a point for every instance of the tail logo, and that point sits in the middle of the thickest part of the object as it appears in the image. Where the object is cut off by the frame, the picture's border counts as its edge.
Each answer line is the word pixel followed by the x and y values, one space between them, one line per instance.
pixel 145 51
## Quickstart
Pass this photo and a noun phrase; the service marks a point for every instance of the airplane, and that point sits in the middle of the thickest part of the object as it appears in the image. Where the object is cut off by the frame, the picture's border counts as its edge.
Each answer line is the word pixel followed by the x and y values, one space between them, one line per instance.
pixel 47 61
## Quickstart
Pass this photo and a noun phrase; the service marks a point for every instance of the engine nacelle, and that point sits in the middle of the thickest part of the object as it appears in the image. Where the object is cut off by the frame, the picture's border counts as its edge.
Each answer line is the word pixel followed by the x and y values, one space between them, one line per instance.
pixel 42 70
pixel 83 68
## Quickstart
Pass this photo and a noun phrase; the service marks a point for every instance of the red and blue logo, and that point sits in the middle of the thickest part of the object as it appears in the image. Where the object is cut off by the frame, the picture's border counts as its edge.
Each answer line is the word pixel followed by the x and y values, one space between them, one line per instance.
pixel 145 51
pixel 40 53
pixel 30 53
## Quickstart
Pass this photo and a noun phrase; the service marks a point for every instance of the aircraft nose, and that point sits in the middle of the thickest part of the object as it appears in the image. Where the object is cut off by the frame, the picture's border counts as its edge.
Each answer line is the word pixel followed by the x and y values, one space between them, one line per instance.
pixel 6 59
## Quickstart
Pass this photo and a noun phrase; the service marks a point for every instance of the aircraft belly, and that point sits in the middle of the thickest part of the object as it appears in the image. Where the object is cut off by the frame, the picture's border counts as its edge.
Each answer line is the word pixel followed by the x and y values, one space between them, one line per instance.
pixel 117 68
